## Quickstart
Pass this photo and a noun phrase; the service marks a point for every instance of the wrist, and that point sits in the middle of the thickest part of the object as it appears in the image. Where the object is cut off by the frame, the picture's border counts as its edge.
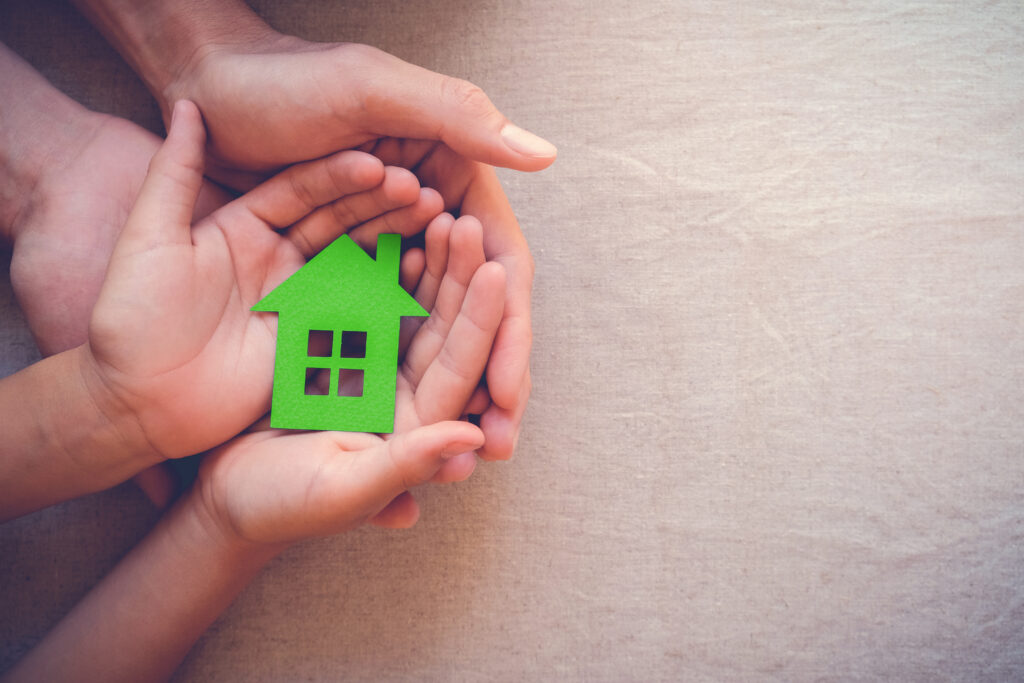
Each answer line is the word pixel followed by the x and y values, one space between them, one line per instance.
pixel 63 437
pixel 209 530
pixel 113 426
pixel 165 41
pixel 200 72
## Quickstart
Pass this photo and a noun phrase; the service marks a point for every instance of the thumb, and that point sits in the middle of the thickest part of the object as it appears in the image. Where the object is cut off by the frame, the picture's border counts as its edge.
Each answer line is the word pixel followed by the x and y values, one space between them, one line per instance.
pixel 415 457
pixel 404 100
pixel 164 206
pixel 366 486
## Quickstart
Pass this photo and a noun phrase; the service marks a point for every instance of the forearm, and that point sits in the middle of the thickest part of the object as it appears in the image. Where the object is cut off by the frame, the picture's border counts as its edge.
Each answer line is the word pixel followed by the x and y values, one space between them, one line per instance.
pixel 141 620
pixel 162 39
pixel 36 122
pixel 59 439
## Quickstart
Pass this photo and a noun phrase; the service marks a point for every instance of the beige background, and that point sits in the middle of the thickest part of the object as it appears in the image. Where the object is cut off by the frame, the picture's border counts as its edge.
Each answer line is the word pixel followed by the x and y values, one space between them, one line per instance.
pixel 777 424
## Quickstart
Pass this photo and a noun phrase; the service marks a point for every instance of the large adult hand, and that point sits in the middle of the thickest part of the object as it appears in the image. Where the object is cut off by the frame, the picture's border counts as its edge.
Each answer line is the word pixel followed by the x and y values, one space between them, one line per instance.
pixel 69 179
pixel 271 99
pixel 64 237
pixel 279 99
pixel 348 95
pixel 469 187
pixel 312 98
pixel 277 487
pixel 173 346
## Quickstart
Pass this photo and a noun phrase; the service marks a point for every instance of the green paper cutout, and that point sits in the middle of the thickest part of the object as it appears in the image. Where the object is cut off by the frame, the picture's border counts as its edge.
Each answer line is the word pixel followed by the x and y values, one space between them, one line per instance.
pixel 340 290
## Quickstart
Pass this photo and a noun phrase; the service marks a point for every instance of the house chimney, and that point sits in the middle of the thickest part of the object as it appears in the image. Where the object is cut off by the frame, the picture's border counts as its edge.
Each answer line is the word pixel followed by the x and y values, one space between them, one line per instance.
pixel 389 252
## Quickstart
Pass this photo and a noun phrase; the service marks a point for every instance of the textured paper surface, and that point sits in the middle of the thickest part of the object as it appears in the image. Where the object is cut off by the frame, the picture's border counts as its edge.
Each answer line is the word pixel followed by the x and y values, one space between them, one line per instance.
pixel 340 290
pixel 777 425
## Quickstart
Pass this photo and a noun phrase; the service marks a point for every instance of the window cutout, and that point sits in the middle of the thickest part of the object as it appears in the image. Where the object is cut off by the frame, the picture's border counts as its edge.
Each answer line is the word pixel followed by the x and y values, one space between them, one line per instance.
pixel 316 381
pixel 319 345
pixel 351 383
pixel 353 345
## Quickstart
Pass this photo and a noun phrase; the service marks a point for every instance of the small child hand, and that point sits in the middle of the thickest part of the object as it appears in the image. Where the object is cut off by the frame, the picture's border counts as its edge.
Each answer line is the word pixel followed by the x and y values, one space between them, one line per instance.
pixel 174 351
pixel 276 487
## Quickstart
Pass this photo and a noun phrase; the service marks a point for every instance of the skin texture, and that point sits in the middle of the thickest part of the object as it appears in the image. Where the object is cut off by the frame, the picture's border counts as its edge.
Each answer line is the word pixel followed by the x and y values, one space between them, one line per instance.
pixel 175 363
pixel 69 179
pixel 174 311
pixel 275 487
pixel 64 238
pixel 264 490
pixel 270 99
pixel 385 124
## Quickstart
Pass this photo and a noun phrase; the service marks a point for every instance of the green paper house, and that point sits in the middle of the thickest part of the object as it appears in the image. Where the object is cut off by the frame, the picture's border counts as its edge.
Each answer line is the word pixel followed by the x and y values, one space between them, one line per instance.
pixel 341 313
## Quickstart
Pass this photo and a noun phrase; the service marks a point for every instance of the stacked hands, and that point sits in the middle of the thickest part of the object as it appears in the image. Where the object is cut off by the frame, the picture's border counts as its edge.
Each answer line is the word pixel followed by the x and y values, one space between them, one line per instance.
pixel 178 358
pixel 138 283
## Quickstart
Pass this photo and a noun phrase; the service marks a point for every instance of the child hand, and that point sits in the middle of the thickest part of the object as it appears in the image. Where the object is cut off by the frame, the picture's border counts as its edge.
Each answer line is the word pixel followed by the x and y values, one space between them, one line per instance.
pixel 276 487
pixel 174 352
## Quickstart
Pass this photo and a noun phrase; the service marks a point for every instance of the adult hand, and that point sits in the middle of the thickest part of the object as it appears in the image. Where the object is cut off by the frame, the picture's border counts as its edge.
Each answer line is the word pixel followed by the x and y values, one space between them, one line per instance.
pixel 469 187
pixel 69 177
pixel 271 99
pixel 275 487
pixel 278 99
pixel 64 237
pixel 313 98
pixel 174 349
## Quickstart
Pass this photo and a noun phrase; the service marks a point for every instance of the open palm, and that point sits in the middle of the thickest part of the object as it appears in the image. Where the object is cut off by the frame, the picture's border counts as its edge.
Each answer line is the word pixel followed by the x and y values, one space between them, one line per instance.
pixel 173 341
pixel 275 487
pixel 472 188
pixel 279 99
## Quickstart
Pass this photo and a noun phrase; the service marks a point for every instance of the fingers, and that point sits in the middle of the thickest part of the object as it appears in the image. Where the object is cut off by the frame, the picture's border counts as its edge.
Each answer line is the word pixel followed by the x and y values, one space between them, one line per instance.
pixel 436 243
pixel 297 191
pixel 405 221
pixel 454 374
pixel 312 233
pixel 435 262
pixel 410 271
pixel 413 458
pixel 509 362
pixel 478 402
pixel 501 426
pixel 508 368
pixel 450 268
pixel 458 468
pixel 397 205
pixel 473 188
pixel 403 100
pixel 375 482
pixel 163 210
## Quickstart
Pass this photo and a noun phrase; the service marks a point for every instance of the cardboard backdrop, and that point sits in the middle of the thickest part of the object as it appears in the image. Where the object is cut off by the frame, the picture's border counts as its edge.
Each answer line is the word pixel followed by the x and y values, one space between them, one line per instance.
pixel 777 427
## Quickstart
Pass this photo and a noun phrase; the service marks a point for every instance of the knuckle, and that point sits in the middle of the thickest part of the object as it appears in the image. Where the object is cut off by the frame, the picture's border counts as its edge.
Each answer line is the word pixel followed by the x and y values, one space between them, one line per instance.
pixel 302 192
pixel 467 97
pixel 302 241
pixel 357 53
pixel 344 215
pixel 403 478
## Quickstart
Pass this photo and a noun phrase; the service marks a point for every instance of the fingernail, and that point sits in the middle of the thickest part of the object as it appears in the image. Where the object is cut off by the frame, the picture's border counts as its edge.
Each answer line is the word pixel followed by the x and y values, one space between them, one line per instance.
pixel 527 143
